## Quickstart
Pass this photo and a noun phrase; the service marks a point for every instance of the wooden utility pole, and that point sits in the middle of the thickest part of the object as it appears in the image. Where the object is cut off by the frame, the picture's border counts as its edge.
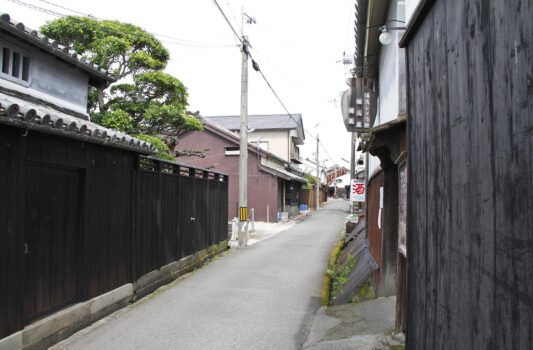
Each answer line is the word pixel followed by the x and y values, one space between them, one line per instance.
pixel 352 168
pixel 243 153
pixel 317 194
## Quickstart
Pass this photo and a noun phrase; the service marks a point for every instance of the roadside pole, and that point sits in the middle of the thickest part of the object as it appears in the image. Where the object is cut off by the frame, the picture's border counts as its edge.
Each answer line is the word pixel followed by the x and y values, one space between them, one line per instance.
pixel 317 194
pixel 243 154
pixel 352 168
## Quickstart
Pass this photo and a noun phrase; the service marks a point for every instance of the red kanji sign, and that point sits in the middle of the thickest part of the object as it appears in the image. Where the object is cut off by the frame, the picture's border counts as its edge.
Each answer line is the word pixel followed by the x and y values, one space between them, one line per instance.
pixel 357 193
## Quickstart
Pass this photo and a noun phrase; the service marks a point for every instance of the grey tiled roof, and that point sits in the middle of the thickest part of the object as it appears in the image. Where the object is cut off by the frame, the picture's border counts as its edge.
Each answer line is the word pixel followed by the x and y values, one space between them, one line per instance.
pixel 284 174
pixel 17 112
pixel 262 122
pixel 98 74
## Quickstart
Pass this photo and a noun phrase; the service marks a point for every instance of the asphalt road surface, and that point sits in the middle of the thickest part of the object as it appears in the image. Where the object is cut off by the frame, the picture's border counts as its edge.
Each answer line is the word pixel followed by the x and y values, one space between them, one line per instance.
pixel 259 297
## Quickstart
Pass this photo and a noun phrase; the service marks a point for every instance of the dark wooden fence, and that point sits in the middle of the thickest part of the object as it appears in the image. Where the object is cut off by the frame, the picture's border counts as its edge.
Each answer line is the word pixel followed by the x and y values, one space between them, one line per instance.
pixel 470 239
pixel 308 197
pixel 79 219
pixel 180 210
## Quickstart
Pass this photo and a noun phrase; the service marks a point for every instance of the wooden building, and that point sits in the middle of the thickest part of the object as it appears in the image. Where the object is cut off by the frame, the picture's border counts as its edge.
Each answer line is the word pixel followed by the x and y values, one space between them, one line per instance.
pixel 273 186
pixel 380 69
pixel 470 197
pixel 87 218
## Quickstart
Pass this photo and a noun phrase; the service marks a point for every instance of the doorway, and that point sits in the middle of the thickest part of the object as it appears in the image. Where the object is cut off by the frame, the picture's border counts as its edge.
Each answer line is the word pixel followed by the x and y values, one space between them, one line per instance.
pixel 52 237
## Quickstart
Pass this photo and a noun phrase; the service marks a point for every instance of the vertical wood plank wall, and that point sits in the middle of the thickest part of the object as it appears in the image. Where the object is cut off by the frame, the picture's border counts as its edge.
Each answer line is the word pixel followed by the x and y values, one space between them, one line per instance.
pixel 375 232
pixel 131 219
pixel 470 240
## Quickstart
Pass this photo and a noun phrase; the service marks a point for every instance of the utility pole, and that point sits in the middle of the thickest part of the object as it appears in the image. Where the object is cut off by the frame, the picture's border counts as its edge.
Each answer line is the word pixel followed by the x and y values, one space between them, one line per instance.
pixel 243 153
pixel 352 168
pixel 317 175
pixel 335 182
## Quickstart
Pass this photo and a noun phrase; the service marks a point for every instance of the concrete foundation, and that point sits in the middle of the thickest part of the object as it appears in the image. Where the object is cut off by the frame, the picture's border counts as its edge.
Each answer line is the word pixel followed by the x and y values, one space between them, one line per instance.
pixel 62 324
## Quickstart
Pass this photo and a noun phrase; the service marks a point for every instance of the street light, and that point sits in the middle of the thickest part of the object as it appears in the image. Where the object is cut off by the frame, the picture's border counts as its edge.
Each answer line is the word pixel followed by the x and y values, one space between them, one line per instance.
pixel 385 38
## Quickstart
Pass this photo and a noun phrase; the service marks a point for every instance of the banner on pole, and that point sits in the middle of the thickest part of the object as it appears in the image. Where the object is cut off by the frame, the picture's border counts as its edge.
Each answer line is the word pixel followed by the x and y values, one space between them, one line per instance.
pixel 357 190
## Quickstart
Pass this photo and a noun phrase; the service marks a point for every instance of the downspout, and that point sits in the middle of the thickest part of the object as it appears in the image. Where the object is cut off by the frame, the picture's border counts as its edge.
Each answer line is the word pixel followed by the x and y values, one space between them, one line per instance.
pixel 361 15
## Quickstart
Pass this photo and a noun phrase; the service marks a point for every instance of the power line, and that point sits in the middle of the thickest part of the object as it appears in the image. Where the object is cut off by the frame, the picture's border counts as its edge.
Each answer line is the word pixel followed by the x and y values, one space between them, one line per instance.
pixel 229 23
pixel 38 8
pixel 183 42
pixel 168 39
pixel 290 115
pixel 256 68
pixel 235 17
pixel 68 9
pixel 328 154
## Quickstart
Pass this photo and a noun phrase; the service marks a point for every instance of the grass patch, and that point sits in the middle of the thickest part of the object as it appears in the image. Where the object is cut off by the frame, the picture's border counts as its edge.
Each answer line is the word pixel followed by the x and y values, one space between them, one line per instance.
pixel 365 292
pixel 325 292
pixel 339 276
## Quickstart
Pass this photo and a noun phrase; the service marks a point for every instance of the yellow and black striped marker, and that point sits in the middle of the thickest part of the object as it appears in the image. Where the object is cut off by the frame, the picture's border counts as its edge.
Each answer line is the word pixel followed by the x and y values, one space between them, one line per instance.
pixel 243 214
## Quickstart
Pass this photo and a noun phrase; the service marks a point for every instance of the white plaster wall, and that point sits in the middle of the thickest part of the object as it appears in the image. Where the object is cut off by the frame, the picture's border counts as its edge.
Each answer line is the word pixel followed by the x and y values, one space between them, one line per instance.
pixel 278 141
pixel 388 75
pixel 293 148
pixel 373 164
pixel 50 78
pixel 392 97
pixel 410 6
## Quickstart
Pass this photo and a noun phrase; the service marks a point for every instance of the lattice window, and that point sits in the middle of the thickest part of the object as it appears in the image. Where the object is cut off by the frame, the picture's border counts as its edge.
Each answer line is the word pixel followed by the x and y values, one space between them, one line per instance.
pixel 15 64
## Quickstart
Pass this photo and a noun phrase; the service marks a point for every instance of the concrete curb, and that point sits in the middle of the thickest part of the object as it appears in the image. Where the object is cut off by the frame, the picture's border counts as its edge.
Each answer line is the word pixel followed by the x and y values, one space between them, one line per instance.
pixel 62 324
pixel 152 280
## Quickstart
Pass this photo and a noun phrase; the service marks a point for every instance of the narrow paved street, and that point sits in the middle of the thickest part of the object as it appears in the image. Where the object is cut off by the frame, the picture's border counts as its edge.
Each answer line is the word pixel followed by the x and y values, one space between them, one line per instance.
pixel 259 297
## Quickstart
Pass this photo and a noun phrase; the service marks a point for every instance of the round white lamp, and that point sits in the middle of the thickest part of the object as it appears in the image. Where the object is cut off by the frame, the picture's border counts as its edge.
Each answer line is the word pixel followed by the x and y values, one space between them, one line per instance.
pixel 385 38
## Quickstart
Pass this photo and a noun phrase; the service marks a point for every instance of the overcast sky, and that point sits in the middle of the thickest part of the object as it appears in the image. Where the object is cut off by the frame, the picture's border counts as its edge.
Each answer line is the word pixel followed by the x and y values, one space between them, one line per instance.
pixel 297 43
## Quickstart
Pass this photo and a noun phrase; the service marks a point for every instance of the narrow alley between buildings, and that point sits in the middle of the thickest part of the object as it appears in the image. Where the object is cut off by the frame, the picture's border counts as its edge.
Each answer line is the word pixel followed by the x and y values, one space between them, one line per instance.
pixel 259 297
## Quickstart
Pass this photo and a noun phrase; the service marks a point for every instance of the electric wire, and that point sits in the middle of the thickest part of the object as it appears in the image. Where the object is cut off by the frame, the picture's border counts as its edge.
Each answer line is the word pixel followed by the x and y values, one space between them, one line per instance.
pixel 229 23
pixel 68 9
pixel 257 68
pixel 38 8
pixel 165 38
pixel 178 41
pixel 235 17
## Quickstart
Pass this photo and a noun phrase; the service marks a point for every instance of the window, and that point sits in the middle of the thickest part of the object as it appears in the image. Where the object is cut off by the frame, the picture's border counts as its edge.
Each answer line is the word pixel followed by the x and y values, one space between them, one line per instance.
pixel 260 144
pixel 15 64
pixel 6 55
pixel 232 151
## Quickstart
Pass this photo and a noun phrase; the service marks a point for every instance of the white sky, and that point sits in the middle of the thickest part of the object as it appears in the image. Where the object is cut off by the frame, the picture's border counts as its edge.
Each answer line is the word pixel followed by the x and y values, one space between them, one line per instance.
pixel 297 44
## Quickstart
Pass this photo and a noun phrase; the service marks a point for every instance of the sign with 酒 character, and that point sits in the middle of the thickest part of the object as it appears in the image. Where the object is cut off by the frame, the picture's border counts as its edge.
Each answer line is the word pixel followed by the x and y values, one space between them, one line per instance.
pixel 357 190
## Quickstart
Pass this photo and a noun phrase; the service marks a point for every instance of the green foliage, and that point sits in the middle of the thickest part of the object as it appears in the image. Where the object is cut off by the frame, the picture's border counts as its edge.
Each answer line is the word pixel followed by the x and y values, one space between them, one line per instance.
pixel 311 180
pixel 118 119
pixel 339 276
pixel 122 48
pixel 160 146
pixel 156 103
pixel 365 292
pixel 327 281
pixel 152 104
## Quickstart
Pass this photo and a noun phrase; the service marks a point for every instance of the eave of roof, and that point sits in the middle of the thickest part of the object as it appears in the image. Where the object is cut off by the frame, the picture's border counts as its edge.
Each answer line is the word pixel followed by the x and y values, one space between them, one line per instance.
pixel 388 125
pixel 370 137
pixel 31 116
pixel 98 76
pixel 376 16
pixel 261 122
pixel 283 174
pixel 228 135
